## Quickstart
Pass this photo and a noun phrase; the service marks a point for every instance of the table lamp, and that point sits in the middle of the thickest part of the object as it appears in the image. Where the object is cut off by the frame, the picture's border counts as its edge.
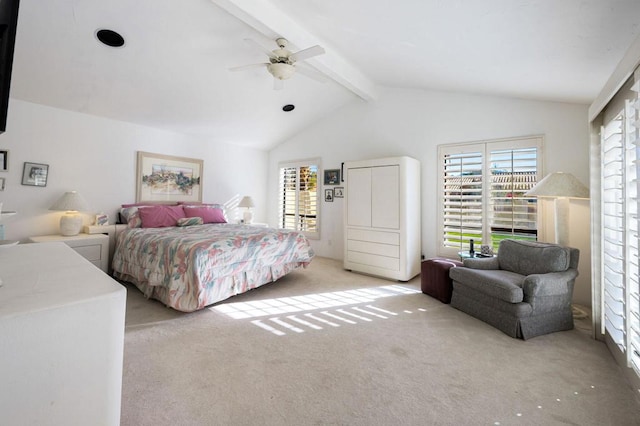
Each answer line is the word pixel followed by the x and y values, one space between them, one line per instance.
pixel 560 186
pixel 71 203
pixel 247 202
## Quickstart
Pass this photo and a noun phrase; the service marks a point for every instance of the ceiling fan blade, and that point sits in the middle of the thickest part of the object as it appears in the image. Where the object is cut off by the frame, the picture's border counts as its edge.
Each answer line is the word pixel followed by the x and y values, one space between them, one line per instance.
pixel 278 84
pixel 246 67
pixel 269 53
pixel 307 53
pixel 311 73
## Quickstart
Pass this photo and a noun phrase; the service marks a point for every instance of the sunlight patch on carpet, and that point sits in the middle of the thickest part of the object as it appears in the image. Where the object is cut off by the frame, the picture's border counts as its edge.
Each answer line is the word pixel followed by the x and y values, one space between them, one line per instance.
pixel 332 309
pixel 286 305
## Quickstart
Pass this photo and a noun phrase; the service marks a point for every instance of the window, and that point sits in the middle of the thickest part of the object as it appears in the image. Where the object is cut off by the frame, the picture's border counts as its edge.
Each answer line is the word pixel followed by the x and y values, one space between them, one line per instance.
pixel 298 197
pixel 619 156
pixel 482 187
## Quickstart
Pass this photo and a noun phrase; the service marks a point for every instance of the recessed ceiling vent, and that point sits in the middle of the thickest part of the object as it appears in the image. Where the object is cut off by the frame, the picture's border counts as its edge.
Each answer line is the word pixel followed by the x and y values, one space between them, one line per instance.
pixel 110 38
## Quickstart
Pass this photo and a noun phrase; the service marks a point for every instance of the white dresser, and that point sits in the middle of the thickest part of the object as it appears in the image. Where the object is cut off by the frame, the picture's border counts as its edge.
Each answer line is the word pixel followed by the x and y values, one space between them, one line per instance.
pixel 93 247
pixel 62 334
pixel 382 217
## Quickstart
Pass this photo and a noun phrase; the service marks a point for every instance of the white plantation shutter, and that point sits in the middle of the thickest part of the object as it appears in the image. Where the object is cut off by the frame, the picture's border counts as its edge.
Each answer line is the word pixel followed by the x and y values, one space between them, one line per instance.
pixel 632 159
pixel 298 197
pixel 463 201
pixel 619 229
pixel 613 229
pixel 513 172
pixel 287 197
pixel 482 188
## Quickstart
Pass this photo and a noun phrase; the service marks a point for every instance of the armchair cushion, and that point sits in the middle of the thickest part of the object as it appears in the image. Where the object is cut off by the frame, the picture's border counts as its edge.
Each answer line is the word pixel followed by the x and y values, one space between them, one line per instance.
pixel 518 256
pixel 503 285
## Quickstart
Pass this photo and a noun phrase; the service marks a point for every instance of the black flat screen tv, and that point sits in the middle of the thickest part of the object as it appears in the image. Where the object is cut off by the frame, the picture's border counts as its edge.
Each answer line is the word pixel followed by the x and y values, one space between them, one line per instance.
pixel 8 25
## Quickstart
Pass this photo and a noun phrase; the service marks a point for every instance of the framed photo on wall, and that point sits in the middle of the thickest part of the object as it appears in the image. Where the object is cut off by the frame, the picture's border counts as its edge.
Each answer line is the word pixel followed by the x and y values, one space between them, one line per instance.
pixel 338 192
pixel 1 184
pixel 165 178
pixel 328 195
pixel 332 177
pixel 35 174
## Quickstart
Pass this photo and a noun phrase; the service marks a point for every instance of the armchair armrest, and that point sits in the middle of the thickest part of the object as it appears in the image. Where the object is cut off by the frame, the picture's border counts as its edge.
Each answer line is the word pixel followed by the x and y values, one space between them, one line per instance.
pixel 552 289
pixel 481 263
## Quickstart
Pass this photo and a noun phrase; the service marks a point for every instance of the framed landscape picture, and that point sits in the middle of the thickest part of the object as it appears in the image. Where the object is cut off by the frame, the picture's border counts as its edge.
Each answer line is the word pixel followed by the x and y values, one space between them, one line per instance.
pixel 165 178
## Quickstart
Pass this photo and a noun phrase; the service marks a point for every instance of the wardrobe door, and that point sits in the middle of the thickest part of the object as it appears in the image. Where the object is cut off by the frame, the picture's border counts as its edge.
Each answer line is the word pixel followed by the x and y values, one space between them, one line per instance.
pixel 385 197
pixel 359 197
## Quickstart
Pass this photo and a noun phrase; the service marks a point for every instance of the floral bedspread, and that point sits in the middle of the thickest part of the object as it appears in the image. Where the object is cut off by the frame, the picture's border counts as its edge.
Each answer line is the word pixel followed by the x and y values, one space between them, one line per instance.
pixel 191 267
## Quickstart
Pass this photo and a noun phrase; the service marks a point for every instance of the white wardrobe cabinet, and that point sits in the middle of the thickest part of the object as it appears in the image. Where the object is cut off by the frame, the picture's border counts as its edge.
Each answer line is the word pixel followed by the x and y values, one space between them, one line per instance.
pixel 382 217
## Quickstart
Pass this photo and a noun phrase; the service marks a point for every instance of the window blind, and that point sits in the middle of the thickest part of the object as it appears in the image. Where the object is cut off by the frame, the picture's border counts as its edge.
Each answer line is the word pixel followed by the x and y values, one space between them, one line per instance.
pixel 632 156
pixel 462 199
pixel 513 173
pixel 619 229
pixel 482 192
pixel 298 197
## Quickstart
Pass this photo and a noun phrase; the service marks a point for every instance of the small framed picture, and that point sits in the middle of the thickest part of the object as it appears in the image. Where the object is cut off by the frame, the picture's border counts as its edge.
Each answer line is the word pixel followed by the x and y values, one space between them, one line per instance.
pixel 4 160
pixel 1 184
pixel 338 192
pixel 35 174
pixel 332 177
pixel 328 195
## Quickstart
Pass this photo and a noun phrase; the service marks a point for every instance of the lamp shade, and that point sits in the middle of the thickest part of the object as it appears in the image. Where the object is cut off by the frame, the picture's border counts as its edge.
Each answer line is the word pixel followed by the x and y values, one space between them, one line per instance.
pixel 557 185
pixel 246 202
pixel 70 222
pixel 70 201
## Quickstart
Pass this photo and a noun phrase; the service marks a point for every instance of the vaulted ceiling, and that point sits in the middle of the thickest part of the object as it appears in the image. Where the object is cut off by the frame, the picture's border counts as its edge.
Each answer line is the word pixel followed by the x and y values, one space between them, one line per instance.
pixel 173 71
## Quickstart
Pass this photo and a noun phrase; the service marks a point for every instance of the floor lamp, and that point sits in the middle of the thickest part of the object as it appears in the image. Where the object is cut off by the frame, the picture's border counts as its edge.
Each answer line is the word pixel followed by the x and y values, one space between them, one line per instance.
pixel 560 187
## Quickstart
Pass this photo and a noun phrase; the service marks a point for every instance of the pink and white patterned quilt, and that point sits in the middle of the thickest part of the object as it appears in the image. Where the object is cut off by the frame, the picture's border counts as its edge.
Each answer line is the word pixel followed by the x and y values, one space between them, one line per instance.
pixel 191 267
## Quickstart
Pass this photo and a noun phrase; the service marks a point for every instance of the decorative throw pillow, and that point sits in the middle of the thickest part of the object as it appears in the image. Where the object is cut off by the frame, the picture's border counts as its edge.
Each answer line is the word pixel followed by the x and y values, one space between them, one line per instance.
pixel 160 216
pixel 133 219
pixel 126 213
pixel 208 214
pixel 189 221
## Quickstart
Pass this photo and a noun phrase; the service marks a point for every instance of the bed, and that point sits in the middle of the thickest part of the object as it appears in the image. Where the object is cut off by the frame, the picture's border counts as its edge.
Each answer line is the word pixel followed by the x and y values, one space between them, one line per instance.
pixel 191 267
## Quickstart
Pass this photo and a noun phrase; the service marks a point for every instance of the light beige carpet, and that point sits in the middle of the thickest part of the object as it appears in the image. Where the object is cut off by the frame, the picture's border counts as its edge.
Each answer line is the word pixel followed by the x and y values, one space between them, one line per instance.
pixel 357 350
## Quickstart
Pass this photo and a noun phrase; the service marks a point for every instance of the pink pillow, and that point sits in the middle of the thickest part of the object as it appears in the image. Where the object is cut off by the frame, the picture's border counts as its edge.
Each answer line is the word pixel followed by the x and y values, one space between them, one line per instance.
pixel 208 214
pixel 160 216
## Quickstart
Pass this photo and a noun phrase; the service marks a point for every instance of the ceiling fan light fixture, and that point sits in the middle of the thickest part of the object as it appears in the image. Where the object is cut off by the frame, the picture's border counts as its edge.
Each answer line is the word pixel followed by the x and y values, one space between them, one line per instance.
pixel 281 71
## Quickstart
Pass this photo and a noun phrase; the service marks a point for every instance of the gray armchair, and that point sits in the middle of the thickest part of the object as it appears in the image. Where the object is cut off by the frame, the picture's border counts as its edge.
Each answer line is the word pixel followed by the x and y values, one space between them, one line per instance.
pixel 524 291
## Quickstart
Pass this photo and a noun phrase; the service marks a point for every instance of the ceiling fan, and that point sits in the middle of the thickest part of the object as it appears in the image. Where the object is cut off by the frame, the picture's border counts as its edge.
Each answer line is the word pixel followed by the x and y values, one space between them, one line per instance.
pixel 283 63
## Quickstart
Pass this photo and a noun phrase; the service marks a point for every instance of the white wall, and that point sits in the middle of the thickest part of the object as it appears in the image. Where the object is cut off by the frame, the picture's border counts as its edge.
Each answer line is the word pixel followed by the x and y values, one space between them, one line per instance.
pixel 413 122
pixel 97 157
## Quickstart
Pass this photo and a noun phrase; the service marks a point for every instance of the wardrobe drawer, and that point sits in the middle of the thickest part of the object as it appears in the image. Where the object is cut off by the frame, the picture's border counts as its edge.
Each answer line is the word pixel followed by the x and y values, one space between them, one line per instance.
pixel 373 236
pixel 374 248
pixel 383 262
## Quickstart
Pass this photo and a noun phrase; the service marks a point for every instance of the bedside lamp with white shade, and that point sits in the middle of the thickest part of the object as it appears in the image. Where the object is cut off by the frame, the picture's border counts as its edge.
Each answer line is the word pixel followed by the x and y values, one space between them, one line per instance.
pixel 71 203
pixel 247 203
pixel 560 187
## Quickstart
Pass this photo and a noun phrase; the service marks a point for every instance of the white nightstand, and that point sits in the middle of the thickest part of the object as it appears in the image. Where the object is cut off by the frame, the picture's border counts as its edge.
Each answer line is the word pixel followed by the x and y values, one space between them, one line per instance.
pixel 94 248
